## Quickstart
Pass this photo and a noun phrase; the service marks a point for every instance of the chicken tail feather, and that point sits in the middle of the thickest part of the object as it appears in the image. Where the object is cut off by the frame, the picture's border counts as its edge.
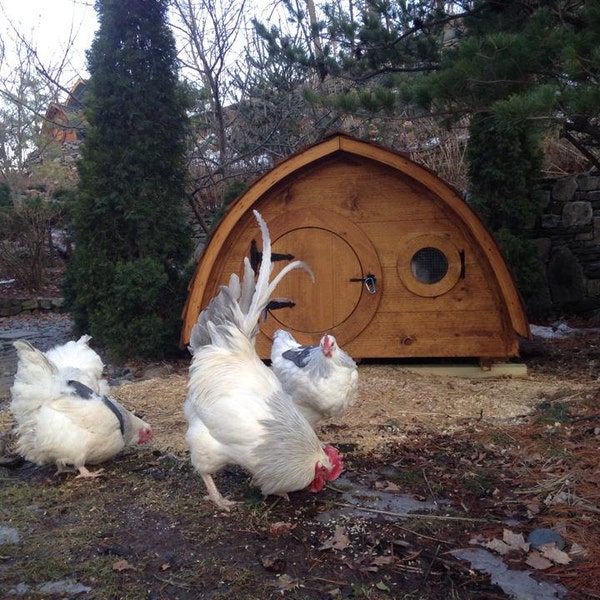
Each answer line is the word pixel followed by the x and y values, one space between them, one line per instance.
pixel 241 303
pixel 264 288
pixel 35 380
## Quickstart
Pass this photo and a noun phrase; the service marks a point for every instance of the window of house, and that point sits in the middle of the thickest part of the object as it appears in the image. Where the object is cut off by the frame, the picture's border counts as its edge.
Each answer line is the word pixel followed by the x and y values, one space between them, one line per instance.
pixel 430 265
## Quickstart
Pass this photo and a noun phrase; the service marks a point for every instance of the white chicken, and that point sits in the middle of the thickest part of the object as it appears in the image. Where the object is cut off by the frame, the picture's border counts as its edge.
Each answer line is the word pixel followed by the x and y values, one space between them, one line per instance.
pixel 64 421
pixel 236 409
pixel 76 360
pixel 322 380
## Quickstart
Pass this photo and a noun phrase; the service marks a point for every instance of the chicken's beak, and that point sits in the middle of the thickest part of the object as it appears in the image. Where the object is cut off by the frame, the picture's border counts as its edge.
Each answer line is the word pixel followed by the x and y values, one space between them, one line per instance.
pixel 144 435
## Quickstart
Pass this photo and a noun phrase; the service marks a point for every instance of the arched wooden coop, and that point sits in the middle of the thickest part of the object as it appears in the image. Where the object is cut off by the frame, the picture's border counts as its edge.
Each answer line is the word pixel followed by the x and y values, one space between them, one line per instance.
pixel 404 268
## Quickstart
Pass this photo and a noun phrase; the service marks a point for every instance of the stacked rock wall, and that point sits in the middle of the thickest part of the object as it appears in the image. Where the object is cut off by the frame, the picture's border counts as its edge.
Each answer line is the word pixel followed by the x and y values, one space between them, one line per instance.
pixel 568 238
pixel 10 307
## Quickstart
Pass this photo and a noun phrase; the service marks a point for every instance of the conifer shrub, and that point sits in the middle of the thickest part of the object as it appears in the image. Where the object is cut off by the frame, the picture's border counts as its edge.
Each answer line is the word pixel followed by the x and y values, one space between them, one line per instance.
pixel 504 166
pixel 126 281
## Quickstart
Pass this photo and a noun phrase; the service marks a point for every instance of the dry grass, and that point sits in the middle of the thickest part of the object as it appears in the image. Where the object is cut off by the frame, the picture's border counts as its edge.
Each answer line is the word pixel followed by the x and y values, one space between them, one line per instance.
pixel 391 401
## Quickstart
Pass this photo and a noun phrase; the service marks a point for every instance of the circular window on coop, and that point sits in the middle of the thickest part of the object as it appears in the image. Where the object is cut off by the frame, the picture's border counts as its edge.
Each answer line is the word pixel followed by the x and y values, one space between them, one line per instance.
pixel 430 265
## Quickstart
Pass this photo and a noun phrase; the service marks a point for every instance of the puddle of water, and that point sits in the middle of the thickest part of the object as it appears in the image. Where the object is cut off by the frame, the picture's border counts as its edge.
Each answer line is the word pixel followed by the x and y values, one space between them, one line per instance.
pixel 379 501
pixel 8 535
pixel 65 588
pixel 518 585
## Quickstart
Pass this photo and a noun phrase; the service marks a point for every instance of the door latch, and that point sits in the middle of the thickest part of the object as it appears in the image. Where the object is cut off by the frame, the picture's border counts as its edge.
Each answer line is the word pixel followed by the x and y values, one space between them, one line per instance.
pixel 370 282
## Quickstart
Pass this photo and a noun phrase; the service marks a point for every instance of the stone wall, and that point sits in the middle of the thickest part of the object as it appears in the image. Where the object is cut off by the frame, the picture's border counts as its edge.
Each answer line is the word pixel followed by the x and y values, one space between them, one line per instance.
pixel 568 238
pixel 9 307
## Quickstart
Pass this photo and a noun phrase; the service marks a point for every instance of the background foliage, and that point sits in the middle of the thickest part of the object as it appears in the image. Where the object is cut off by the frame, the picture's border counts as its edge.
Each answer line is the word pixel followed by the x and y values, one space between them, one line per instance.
pixel 491 95
pixel 131 239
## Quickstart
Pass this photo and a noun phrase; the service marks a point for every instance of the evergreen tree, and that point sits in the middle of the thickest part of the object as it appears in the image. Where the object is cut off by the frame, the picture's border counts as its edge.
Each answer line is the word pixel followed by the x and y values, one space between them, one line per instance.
pixel 500 74
pixel 522 61
pixel 504 167
pixel 510 68
pixel 125 283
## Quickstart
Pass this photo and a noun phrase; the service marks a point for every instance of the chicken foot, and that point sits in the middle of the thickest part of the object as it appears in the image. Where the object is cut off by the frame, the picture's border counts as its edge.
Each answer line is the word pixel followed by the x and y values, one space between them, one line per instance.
pixel 85 474
pixel 214 494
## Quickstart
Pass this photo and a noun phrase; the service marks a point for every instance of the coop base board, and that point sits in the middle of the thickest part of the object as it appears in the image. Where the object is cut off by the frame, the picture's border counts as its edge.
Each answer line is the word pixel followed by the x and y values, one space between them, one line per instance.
pixel 470 371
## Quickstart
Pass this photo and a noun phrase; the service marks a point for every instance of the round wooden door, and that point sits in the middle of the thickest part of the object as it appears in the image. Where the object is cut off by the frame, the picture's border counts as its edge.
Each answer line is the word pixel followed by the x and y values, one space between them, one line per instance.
pixel 348 281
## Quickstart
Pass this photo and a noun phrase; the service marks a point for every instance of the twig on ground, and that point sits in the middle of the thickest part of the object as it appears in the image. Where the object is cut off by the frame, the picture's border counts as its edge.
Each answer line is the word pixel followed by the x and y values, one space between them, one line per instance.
pixel 429 488
pixel 413 515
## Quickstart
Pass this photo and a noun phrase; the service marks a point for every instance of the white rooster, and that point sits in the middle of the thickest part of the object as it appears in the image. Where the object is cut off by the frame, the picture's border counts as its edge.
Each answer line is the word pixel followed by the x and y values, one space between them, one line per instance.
pixel 322 380
pixel 236 409
pixel 64 421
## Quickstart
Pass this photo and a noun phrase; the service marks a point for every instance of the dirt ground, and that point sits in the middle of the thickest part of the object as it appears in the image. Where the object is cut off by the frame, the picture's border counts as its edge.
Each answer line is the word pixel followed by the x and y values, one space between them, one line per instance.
pixel 487 461
pixel 391 402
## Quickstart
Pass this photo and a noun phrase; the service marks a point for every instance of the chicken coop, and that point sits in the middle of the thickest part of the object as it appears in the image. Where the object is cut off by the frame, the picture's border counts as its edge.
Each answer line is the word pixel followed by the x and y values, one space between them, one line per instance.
pixel 403 266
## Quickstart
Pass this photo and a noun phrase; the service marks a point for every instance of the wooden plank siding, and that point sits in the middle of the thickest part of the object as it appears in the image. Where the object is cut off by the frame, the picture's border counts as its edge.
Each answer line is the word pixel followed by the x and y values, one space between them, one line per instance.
pixel 350 208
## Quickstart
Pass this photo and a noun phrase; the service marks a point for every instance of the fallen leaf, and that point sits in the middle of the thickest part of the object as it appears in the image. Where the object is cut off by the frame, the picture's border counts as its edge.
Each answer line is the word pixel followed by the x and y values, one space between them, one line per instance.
pixel 516 541
pixel 279 528
pixel 577 550
pixel 286 583
pixel 551 552
pixel 498 546
pixel 338 541
pixel 538 562
pixel 274 563
pixel 477 540
pixel 387 486
pixel 123 565
pixel 382 560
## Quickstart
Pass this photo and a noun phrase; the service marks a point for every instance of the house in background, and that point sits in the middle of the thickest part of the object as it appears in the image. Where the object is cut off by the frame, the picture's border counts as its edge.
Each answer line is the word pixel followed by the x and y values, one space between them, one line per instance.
pixel 64 123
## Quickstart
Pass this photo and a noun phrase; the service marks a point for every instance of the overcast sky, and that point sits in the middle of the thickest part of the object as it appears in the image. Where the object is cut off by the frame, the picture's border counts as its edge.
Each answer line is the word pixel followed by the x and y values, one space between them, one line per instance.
pixel 49 25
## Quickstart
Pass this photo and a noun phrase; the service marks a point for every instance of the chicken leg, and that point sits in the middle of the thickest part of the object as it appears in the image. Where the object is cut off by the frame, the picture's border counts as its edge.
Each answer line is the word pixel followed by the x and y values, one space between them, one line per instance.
pixel 214 494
